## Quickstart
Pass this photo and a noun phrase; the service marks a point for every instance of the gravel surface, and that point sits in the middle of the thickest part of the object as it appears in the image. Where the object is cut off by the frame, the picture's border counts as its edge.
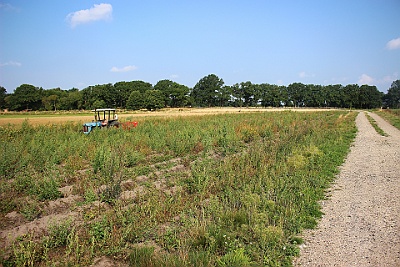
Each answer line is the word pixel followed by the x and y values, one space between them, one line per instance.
pixel 361 225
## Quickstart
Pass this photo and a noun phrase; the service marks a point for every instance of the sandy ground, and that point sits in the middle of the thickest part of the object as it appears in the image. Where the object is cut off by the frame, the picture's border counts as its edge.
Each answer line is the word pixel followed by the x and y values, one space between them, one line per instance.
pixel 36 120
pixel 361 225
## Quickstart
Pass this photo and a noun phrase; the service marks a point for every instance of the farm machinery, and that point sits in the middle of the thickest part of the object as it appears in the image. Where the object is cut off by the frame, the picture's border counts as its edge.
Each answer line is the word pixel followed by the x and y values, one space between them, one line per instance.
pixel 103 118
pixel 106 118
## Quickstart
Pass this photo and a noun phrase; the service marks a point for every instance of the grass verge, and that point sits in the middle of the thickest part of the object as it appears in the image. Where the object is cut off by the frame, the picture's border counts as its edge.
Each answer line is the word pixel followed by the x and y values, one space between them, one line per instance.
pixel 391 115
pixel 375 125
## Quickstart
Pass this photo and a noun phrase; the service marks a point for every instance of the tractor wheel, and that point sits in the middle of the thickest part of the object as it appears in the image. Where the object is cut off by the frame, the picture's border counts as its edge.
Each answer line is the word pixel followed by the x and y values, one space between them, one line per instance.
pixel 115 124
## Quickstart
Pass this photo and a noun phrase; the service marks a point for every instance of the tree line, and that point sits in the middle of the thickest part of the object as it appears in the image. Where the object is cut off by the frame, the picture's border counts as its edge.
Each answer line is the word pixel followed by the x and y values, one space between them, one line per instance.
pixel 210 91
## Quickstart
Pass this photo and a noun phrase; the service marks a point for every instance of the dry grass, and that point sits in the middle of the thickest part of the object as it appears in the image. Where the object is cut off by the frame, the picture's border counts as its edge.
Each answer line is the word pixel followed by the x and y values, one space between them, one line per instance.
pixel 169 112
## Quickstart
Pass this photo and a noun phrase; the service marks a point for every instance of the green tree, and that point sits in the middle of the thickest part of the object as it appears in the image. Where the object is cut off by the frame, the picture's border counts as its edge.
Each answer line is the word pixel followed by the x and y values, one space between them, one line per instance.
pixel 25 96
pixel 297 94
pixel 333 95
pixel 224 97
pixel 351 96
pixel 205 92
pixel 392 97
pixel 105 92
pixel 99 104
pixel 315 95
pixel 101 92
pixel 124 89
pixel 369 97
pixel 153 99
pixel 135 101
pixel 140 86
pixel 248 91
pixel 72 100
pixel 271 95
pixel 3 94
pixel 175 94
pixel 50 102
pixel 238 95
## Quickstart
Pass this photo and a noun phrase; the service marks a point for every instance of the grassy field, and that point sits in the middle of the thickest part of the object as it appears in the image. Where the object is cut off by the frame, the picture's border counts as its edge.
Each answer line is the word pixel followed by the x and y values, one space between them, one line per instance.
pixel 391 115
pixel 231 189
pixel 51 117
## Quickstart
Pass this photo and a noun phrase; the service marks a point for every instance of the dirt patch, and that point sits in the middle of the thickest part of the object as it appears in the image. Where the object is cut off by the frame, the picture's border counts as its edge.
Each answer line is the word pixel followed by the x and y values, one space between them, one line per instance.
pixel 361 225
pixel 37 227
pixel 107 262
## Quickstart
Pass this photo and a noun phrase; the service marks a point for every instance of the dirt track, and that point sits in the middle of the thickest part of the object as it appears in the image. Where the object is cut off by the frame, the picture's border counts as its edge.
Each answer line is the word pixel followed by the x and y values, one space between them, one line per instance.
pixel 361 225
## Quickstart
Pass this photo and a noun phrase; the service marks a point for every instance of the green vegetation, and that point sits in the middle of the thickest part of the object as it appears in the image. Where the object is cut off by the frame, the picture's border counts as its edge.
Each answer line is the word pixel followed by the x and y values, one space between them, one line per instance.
pixel 375 125
pixel 210 91
pixel 392 116
pixel 392 98
pixel 216 190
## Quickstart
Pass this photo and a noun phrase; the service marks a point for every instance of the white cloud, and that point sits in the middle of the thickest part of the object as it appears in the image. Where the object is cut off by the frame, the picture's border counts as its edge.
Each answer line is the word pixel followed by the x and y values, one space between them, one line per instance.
pixel 304 74
pixel 390 78
pixel 174 76
pixel 123 69
pixel 365 79
pixel 97 12
pixel 11 63
pixel 393 44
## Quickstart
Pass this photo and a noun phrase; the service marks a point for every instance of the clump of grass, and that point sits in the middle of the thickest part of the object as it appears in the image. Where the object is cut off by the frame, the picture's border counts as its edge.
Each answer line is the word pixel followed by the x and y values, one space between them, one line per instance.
pixel 46 189
pixel 26 253
pixel 30 210
pixel 142 256
pixel 58 234
pixel 375 125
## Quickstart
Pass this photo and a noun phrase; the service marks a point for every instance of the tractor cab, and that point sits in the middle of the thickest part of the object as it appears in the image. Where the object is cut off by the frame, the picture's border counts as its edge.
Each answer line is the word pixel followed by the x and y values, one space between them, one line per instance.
pixel 103 118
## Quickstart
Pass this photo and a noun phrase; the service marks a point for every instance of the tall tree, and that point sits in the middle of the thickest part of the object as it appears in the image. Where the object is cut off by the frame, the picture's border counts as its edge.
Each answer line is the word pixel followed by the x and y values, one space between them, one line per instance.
pixel 72 100
pixel 271 95
pixel 238 95
pixel 135 101
pixel 351 96
pixel 175 94
pixel 393 95
pixel 122 92
pixel 334 95
pixel 297 94
pixel 224 97
pixel 153 99
pixel 140 86
pixel 315 96
pixel 248 90
pixel 3 94
pixel 124 89
pixel 369 97
pixel 27 97
pixel 205 92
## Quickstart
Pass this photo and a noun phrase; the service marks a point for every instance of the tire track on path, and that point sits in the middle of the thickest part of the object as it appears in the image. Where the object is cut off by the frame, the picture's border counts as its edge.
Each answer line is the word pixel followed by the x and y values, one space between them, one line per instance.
pixel 361 225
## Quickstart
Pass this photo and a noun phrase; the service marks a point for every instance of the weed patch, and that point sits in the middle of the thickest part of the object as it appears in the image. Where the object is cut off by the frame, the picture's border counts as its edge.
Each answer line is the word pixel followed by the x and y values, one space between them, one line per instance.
pixel 246 186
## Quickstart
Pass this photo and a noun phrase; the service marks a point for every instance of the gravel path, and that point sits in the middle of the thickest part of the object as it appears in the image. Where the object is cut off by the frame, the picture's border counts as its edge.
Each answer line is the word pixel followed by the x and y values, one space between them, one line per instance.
pixel 361 225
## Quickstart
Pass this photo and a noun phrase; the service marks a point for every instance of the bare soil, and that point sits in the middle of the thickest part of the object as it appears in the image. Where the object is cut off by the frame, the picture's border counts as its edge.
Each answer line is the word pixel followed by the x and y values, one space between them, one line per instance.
pixel 361 225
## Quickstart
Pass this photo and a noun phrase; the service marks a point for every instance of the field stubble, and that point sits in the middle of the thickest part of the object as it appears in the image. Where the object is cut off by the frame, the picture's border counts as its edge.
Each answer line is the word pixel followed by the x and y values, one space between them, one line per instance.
pixel 211 190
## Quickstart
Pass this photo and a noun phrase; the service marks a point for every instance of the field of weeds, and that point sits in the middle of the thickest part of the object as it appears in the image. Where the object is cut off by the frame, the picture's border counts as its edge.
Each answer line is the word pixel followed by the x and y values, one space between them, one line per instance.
pixel 211 190
pixel 391 115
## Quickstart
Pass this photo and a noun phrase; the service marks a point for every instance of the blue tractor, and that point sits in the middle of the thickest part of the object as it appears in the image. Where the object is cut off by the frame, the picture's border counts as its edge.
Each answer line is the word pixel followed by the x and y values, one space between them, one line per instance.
pixel 103 118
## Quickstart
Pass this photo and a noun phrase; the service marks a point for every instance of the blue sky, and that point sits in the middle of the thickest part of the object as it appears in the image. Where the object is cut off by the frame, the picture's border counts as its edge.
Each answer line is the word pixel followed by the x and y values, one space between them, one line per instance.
pixel 71 43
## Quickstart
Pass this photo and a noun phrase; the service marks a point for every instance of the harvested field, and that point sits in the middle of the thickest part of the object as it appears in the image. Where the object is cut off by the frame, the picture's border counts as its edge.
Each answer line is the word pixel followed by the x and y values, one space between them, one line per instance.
pixel 61 118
